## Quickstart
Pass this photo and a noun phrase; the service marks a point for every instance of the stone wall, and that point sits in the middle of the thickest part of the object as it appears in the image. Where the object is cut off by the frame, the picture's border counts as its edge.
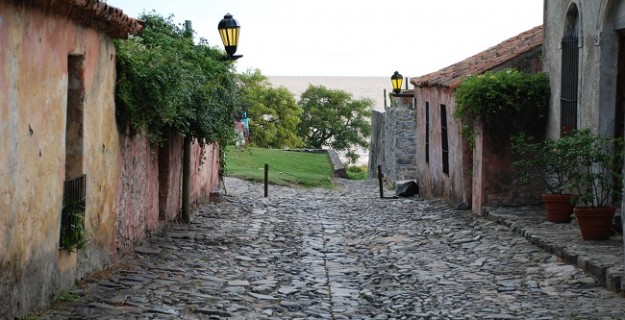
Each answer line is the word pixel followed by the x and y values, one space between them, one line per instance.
pixel 399 145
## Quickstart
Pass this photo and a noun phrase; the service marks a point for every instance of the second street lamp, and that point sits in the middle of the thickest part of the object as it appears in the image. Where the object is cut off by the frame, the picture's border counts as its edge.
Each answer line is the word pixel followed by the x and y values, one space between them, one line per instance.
pixel 396 80
pixel 229 32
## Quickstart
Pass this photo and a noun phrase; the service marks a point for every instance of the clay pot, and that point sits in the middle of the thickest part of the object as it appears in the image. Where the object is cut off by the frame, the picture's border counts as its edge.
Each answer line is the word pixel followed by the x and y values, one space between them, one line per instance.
pixel 595 223
pixel 559 207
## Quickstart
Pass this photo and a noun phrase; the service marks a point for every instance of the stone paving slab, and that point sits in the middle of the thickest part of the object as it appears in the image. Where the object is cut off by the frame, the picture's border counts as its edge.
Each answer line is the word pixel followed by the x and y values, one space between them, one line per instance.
pixel 346 254
pixel 602 259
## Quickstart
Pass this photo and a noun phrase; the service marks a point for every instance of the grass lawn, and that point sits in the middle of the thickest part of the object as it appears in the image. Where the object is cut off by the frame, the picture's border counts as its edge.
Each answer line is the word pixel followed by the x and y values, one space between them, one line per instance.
pixel 285 167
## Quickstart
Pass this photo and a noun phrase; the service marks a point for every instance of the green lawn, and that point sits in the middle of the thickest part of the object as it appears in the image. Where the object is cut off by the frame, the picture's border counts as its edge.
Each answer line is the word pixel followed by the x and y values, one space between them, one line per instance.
pixel 285 167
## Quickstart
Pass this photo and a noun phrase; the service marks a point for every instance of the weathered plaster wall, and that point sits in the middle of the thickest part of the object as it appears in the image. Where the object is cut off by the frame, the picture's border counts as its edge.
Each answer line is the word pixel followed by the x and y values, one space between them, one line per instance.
pixel 34 51
pixel 170 177
pixel 433 182
pixel 204 171
pixel 138 198
pixel 600 21
pixel 494 180
pixel 204 174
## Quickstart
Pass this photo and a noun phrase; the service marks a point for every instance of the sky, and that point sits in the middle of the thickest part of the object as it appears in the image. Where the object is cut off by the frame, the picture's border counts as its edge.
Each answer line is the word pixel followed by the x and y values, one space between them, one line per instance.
pixel 352 37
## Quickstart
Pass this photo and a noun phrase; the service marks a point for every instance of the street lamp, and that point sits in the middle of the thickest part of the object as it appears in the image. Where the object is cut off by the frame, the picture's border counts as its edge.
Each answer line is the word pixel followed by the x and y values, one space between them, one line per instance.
pixel 396 80
pixel 229 32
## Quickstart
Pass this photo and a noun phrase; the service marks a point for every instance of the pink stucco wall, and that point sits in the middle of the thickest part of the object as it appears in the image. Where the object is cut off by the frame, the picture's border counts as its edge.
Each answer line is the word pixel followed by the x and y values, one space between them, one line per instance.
pixel 204 171
pixel 138 205
pixel 122 173
pixel 34 50
pixel 494 180
pixel 455 186
pixel 204 174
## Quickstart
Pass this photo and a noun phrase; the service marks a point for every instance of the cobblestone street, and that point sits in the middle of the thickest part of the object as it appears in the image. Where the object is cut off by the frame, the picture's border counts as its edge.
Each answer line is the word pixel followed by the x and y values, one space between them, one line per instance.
pixel 346 254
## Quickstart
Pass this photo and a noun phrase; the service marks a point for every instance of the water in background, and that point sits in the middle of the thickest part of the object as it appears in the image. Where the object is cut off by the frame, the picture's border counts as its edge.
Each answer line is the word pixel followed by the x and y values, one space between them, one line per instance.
pixel 359 87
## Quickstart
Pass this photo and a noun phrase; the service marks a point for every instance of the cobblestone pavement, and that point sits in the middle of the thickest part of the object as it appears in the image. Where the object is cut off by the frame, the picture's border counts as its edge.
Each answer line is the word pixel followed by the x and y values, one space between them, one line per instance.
pixel 316 254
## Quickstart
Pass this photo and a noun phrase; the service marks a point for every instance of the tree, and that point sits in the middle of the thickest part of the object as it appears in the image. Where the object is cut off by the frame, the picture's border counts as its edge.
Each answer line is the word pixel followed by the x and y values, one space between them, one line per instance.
pixel 334 119
pixel 274 114
pixel 166 83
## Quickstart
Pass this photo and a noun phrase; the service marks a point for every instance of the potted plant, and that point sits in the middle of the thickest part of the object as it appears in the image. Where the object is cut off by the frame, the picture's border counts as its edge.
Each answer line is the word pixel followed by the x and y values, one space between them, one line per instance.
pixel 598 180
pixel 552 162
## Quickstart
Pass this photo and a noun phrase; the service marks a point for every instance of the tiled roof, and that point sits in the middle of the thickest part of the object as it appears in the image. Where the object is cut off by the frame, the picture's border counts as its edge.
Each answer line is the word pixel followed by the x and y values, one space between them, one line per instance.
pixel 486 60
pixel 91 13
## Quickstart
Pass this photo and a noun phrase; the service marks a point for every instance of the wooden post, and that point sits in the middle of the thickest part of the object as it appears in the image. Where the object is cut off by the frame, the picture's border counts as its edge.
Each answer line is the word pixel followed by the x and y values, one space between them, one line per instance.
pixel 266 178
pixel 380 181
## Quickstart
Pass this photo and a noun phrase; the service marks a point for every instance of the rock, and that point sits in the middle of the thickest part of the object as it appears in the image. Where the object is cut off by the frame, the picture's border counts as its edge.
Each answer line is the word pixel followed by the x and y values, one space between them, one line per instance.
pixel 406 188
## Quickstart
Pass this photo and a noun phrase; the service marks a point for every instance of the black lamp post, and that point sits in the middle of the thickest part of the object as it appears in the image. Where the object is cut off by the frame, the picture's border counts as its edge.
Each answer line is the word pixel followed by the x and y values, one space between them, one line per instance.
pixel 396 81
pixel 229 32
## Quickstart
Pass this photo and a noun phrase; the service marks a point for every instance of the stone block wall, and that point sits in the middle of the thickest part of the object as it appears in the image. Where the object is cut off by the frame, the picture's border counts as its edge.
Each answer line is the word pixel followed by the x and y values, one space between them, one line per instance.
pixel 400 153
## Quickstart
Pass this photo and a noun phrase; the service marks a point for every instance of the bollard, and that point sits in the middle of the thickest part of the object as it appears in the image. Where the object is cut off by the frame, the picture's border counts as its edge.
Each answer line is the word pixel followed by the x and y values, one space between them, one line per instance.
pixel 266 178
pixel 380 181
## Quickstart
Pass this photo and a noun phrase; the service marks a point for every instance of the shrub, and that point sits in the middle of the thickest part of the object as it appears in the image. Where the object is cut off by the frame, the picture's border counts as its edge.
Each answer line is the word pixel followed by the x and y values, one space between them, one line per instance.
pixel 504 103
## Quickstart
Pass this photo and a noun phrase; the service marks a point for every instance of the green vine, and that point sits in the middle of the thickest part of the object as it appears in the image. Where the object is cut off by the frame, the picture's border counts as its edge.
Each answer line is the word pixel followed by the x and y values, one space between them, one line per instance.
pixel 504 103
pixel 166 83
pixel 73 233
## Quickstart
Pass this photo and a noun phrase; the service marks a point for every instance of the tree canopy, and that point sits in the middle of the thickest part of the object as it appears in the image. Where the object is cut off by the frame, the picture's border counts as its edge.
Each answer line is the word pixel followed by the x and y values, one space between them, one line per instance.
pixel 334 119
pixel 274 114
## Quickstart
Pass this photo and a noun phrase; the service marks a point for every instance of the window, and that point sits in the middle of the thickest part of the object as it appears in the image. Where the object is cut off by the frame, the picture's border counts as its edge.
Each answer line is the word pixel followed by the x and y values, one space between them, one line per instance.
pixel 444 140
pixel 570 73
pixel 75 186
pixel 427 132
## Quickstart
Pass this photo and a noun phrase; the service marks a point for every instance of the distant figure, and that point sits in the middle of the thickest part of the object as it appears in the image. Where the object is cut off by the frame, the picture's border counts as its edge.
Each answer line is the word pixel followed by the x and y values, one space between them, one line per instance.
pixel 239 131
pixel 246 122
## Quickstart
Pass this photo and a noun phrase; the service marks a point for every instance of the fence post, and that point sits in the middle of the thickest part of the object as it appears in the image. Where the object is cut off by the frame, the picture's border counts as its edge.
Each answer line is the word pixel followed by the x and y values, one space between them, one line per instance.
pixel 266 178
pixel 380 181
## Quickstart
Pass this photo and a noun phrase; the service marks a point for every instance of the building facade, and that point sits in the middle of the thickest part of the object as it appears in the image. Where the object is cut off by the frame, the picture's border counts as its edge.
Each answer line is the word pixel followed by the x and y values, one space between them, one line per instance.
pixel 584 55
pixel 61 150
pixel 447 166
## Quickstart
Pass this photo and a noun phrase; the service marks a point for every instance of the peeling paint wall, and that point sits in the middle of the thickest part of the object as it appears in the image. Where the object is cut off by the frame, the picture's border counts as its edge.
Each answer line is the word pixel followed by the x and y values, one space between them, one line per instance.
pixel 204 171
pixel 137 192
pixel 433 182
pixel 34 50
pixel 124 174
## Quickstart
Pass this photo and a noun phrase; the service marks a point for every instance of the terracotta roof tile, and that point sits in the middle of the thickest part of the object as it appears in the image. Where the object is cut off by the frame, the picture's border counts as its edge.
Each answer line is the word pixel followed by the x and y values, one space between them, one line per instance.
pixel 486 60
pixel 91 13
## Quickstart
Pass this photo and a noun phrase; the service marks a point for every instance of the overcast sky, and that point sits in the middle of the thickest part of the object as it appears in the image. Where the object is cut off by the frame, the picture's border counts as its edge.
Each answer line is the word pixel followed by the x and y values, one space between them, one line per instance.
pixel 352 37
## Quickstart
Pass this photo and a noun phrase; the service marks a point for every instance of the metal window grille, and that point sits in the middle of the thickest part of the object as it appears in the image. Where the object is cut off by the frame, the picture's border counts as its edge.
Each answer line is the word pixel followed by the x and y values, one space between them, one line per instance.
pixel 570 75
pixel 74 200
pixel 427 132
pixel 444 138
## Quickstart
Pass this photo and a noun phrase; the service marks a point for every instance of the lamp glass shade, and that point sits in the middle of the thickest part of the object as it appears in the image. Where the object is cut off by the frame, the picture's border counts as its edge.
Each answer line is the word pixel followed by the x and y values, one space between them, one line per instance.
pixel 396 81
pixel 229 32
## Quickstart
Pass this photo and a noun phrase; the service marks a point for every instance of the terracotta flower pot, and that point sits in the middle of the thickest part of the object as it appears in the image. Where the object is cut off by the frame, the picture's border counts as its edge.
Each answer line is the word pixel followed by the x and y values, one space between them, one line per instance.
pixel 558 206
pixel 595 223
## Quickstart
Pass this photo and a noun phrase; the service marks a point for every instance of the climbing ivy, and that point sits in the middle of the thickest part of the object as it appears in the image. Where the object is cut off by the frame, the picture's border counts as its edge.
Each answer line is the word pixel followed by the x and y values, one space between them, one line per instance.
pixel 166 83
pixel 504 103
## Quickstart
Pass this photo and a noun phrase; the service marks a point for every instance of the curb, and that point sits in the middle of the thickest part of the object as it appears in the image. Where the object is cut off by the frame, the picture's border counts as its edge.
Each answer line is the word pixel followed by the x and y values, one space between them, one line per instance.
pixel 603 260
